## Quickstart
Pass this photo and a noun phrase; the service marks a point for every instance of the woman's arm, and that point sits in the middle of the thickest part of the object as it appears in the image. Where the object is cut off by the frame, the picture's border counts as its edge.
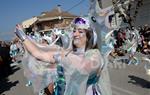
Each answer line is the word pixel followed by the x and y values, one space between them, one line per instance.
pixel 40 54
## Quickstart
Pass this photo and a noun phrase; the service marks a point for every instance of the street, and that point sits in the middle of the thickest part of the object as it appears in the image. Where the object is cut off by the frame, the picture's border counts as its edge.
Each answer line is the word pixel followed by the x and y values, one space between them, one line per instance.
pixel 130 80
pixel 125 80
pixel 14 84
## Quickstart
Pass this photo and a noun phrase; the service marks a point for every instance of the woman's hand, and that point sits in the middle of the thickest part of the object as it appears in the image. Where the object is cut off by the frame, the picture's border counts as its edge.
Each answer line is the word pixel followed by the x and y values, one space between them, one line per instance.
pixel 20 33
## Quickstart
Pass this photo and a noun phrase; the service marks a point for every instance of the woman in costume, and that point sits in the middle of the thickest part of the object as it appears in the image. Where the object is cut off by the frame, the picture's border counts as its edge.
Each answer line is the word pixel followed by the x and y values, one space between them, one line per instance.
pixel 84 70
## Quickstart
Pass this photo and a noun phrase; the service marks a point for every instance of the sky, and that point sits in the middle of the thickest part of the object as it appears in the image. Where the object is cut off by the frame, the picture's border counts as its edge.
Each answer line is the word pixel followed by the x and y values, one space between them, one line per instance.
pixel 16 11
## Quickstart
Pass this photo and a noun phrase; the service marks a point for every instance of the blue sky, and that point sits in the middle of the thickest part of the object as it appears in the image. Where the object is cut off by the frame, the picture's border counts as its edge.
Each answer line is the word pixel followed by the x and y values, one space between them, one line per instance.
pixel 16 11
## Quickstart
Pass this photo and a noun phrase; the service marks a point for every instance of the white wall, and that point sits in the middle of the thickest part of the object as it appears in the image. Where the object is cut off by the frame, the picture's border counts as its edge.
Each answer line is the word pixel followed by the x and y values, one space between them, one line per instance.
pixel 106 3
pixel 143 16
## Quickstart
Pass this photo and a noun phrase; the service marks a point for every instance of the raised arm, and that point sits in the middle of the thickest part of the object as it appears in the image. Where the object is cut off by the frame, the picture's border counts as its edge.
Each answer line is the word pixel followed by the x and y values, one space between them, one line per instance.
pixel 40 54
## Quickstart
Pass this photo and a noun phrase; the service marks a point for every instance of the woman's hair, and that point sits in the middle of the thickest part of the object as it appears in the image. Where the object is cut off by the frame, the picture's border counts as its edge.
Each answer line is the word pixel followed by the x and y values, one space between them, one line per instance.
pixel 84 23
pixel 89 42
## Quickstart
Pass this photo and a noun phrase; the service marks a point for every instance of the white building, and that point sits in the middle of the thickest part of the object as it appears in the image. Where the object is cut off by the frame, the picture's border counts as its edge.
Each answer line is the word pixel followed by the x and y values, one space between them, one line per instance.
pixel 143 16
pixel 106 3
pixel 27 23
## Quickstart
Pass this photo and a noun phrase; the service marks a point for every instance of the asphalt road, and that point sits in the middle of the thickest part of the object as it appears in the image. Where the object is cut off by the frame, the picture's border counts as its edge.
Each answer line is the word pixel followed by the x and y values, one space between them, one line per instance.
pixel 125 80
pixel 14 84
pixel 129 80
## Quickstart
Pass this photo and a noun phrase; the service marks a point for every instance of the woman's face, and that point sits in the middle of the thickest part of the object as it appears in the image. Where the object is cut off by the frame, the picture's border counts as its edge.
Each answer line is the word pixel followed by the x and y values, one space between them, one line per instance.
pixel 79 38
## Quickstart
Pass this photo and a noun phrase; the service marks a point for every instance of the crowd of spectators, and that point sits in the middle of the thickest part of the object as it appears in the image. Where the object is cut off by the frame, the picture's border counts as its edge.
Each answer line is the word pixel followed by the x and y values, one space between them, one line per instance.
pixel 122 35
pixel 9 50
pixel 145 35
pixel 5 58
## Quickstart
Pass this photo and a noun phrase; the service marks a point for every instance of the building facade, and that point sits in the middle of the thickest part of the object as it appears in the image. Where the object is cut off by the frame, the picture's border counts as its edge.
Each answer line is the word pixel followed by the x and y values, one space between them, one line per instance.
pixel 105 3
pixel 56 18
pixel 143 15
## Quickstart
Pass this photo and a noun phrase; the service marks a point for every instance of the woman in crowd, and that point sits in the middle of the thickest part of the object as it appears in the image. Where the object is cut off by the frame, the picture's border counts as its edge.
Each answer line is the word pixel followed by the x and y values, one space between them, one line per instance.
pixel 84 70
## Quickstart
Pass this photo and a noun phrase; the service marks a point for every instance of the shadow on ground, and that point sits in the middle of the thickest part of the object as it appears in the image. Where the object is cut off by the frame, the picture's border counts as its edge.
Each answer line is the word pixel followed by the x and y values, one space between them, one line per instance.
pixel 139 81
pixel 6 70
pixel 5 83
